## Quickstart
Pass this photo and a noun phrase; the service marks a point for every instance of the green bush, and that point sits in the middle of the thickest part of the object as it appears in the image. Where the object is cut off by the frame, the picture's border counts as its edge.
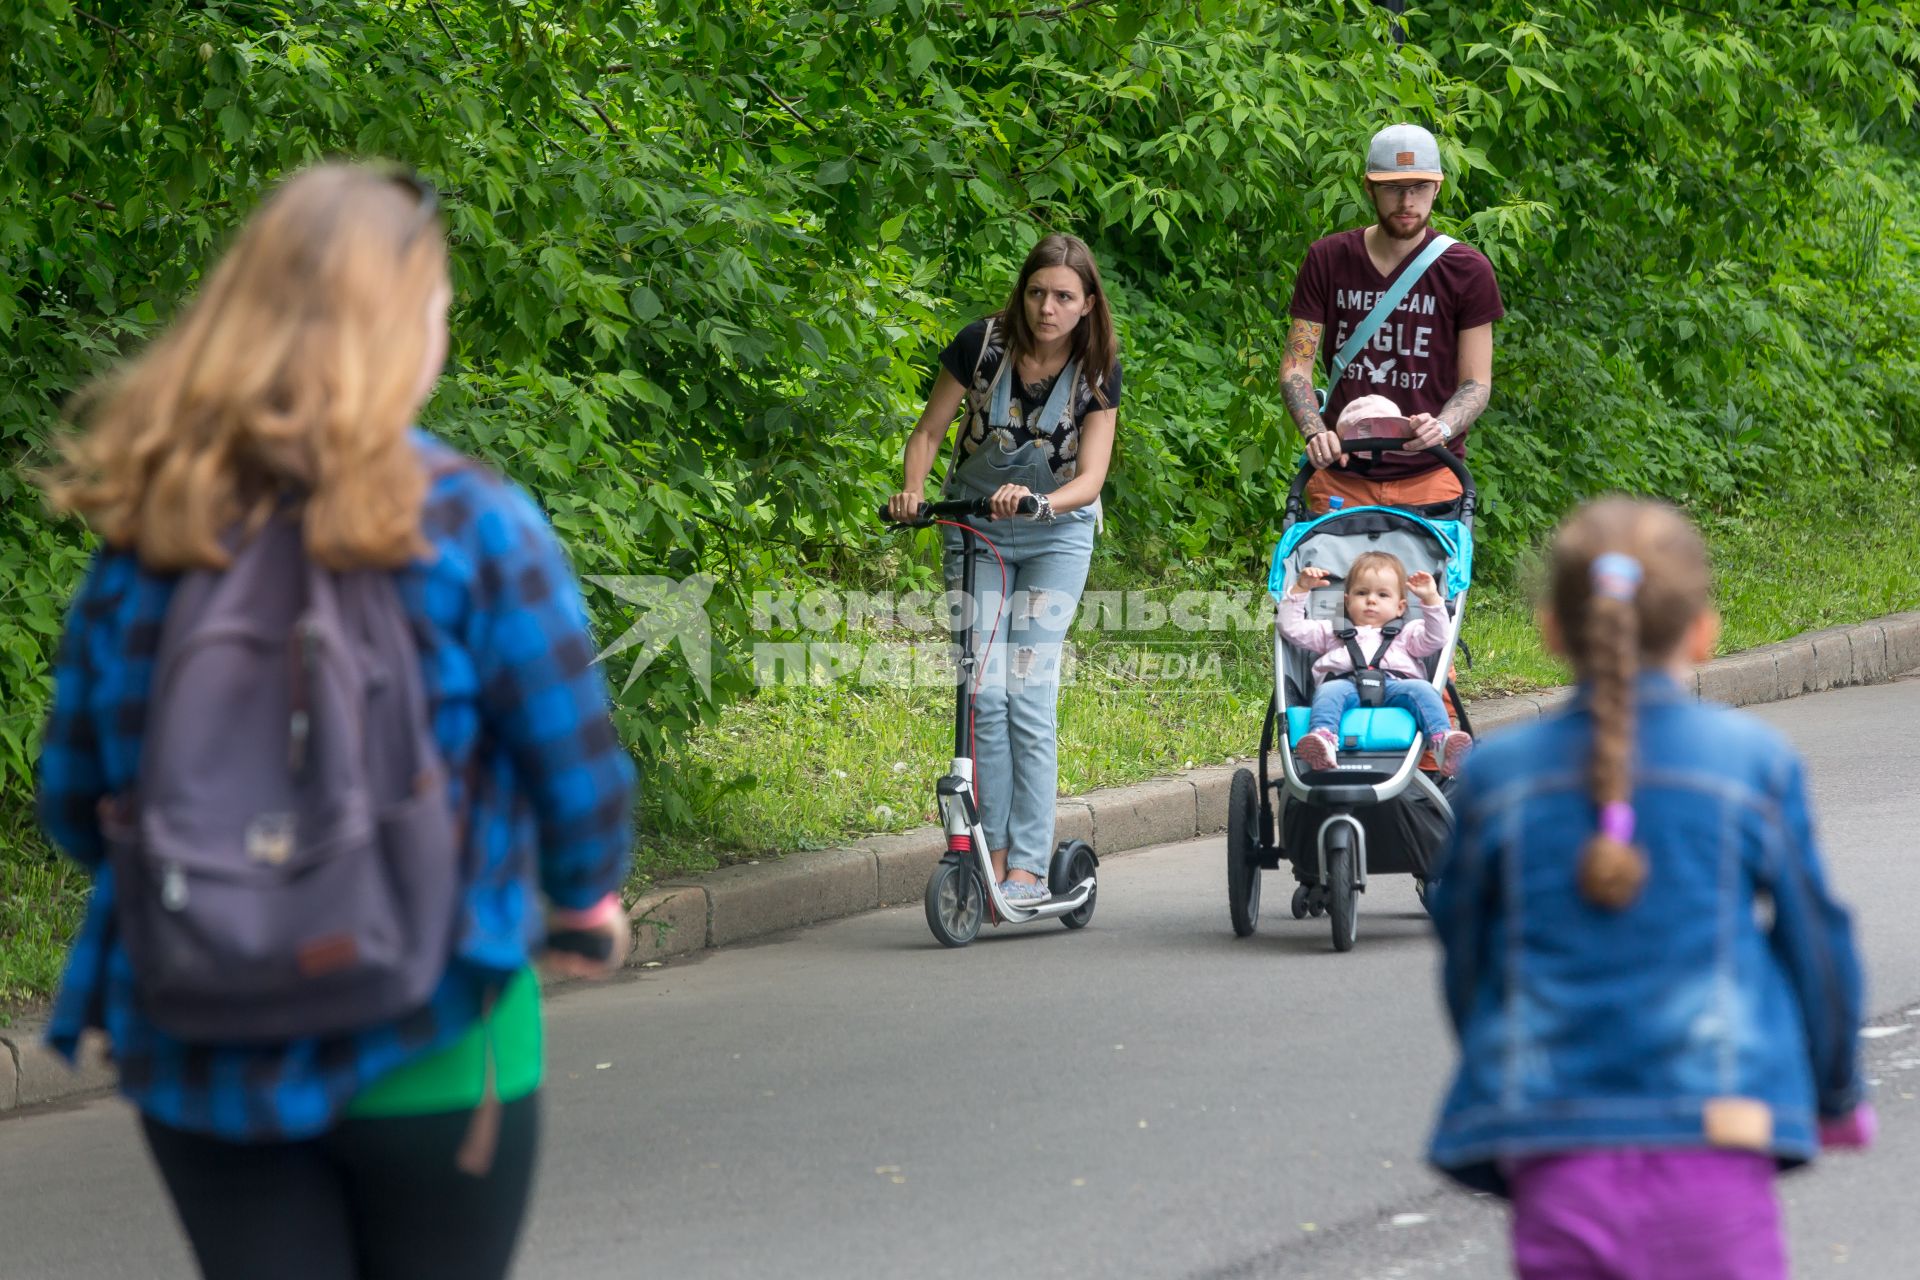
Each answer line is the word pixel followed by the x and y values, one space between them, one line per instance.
pixel 706 249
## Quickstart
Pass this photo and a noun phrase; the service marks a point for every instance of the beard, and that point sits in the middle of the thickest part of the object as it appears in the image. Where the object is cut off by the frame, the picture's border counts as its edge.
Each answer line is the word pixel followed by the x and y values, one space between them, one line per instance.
pixel 1391 232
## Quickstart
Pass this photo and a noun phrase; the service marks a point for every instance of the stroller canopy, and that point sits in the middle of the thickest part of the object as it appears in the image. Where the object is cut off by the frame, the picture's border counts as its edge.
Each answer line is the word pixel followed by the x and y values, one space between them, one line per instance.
pixel 1443 548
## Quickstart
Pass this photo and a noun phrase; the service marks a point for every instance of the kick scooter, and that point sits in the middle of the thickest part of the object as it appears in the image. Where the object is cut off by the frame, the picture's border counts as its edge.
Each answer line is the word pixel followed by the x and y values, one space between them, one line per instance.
pixel 962 892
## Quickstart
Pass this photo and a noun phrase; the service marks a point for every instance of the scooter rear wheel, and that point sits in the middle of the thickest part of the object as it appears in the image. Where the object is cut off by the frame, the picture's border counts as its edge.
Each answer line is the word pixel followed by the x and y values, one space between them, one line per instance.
pixel 1073 862
pixel 956 903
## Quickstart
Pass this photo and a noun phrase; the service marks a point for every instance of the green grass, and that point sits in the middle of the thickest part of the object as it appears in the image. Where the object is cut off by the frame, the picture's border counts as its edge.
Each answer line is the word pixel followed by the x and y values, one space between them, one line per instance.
pixel 41 900
pixel 833 762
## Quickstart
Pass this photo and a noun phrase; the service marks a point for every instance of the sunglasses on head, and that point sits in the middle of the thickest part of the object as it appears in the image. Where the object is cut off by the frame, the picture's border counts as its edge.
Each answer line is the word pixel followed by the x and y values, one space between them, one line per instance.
pixel 426 198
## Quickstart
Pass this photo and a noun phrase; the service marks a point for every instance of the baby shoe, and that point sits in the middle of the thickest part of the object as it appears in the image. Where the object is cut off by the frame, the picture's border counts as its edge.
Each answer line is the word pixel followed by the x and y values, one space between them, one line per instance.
pixel 1318 750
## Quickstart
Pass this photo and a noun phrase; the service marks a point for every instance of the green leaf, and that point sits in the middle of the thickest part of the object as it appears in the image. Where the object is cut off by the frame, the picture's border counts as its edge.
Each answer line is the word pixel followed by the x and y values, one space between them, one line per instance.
pixel 920 55
pixel 234 124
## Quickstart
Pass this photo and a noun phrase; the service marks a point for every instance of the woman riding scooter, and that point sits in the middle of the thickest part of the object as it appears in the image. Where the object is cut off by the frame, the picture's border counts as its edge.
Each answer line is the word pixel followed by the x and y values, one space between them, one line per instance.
pixel 1041 386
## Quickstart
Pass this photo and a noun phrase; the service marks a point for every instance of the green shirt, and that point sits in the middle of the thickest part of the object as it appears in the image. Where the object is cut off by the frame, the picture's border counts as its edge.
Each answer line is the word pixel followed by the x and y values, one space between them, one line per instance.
pixel 455 1078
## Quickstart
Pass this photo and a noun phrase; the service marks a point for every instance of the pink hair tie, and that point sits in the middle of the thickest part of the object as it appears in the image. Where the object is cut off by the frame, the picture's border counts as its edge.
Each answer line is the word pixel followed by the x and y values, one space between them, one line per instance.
pixel 1616 821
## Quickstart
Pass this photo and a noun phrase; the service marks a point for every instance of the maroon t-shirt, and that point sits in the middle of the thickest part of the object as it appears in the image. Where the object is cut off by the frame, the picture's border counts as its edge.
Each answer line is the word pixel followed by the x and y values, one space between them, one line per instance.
pixel 1413 358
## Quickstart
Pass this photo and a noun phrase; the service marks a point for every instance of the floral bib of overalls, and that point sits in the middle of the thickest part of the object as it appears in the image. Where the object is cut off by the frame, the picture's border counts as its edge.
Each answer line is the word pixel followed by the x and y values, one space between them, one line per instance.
pixel 981 473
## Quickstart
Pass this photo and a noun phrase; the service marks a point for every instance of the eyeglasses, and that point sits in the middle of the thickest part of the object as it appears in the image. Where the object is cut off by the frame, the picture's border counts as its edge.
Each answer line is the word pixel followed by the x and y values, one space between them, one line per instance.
pixel 428 202
pixel 1406 191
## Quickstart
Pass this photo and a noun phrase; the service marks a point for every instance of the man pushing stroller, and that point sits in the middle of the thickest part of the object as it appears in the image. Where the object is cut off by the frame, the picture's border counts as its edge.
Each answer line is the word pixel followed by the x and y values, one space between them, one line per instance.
pixel 1392 307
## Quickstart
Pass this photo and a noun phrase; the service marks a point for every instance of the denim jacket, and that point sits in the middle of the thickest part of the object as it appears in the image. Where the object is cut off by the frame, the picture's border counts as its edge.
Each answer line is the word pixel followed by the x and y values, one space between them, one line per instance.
pixel 1732 977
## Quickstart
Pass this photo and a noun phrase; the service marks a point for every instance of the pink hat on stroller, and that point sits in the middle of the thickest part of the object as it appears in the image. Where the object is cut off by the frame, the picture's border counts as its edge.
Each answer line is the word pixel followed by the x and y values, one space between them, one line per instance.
pixel 1360 408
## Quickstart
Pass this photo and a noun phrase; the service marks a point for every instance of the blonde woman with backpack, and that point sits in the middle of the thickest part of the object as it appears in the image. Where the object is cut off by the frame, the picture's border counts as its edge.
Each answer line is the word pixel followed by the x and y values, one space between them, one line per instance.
pixel 327 731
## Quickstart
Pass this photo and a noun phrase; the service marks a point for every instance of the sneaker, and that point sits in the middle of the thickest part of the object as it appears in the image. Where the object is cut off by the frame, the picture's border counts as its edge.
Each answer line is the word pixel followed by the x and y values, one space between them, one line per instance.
pixel 1014 891
pixel 1318 750
pixel 1451 749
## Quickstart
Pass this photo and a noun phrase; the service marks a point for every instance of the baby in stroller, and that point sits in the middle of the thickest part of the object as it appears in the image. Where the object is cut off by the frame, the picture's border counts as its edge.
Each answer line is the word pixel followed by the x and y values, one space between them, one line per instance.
pixel 1379 643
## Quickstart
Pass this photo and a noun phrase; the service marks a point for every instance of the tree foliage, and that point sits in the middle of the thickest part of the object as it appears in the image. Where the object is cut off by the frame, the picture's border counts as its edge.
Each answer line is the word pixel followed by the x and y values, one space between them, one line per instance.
pixel 705 249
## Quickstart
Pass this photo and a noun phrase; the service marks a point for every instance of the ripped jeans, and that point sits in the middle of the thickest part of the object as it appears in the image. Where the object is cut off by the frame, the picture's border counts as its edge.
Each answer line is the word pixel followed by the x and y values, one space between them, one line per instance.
pixel 1015 743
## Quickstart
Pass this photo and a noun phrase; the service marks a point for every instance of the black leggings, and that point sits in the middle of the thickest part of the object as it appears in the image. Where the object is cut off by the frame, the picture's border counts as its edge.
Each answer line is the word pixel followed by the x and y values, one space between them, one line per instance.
pixel 375 1199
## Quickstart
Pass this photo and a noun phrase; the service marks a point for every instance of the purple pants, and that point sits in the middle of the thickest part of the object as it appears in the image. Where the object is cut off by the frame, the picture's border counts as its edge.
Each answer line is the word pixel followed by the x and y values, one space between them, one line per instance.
pixel 1647 1215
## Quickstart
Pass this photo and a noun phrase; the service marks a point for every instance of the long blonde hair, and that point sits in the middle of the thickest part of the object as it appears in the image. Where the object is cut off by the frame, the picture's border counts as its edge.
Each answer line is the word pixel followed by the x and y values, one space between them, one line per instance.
pixel 294 372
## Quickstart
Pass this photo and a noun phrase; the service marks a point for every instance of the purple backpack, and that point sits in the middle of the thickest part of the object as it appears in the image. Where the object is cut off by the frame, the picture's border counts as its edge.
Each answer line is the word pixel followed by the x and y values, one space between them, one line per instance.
pixel 290 863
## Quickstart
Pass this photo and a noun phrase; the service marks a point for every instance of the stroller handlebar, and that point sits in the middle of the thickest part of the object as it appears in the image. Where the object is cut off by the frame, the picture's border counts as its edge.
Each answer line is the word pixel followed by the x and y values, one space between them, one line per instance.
pixel 980 508
pixel 1461 508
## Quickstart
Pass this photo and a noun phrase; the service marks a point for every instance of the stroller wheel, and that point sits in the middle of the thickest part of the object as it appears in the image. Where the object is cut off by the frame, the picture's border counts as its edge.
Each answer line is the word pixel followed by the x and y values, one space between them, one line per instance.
pixel 1301 902
pixel 1340 895
pixel 1243 854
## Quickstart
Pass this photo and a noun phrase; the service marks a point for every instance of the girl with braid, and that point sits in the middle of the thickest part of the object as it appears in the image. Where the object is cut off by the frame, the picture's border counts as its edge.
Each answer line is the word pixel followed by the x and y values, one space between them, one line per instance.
pixel 1642 1046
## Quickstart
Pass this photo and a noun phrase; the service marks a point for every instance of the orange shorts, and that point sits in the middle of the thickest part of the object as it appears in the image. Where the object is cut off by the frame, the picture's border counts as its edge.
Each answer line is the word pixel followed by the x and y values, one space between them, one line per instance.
pixel 1438 485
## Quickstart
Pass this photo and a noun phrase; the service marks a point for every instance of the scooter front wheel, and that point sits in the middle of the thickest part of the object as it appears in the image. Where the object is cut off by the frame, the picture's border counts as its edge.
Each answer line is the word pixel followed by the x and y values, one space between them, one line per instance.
pixel 956 903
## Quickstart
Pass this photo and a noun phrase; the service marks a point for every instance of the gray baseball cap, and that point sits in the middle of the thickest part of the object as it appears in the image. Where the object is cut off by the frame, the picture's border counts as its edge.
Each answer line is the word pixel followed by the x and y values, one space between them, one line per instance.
pixel 1404 151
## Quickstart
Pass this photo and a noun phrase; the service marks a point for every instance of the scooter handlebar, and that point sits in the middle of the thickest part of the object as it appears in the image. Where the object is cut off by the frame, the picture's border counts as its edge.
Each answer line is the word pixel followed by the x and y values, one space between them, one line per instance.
pixel 978 508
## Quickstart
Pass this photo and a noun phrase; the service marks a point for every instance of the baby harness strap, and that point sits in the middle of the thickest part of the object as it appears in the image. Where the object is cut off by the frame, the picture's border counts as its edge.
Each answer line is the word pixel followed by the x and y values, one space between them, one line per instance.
pixel 1367 675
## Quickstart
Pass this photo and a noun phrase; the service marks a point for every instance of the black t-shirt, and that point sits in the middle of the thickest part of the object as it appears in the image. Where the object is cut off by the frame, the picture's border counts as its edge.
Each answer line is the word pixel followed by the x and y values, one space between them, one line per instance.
pixel 974 367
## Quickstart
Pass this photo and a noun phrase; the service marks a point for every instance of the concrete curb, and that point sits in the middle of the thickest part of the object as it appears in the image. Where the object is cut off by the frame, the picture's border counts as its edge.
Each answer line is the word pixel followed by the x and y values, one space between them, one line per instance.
pixel 32 1075
pixel 756 900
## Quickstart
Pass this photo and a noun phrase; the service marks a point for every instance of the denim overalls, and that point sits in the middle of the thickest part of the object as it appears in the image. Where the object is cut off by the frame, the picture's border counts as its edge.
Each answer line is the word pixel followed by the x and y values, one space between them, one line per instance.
pixel 1019 636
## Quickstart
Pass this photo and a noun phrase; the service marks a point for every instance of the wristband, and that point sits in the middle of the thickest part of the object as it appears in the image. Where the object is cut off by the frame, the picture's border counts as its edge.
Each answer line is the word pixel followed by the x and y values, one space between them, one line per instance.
pixel 1446 430
pixel 605 911
pixel 1854 1131
pixel 1043 509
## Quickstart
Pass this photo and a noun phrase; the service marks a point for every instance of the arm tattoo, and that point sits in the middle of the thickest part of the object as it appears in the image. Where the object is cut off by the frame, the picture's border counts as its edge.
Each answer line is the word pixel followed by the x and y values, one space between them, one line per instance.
pixel 1303 340
pixel 1296 388
pixel 1466 405
pixel 1303 403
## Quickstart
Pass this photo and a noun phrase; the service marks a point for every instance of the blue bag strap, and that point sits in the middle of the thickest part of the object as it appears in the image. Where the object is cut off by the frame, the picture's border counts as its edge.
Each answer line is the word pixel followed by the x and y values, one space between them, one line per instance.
pixel 1389 299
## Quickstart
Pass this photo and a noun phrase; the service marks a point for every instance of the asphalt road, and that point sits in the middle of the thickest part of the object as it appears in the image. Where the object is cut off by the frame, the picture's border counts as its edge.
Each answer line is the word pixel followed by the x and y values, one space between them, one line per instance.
pixel 1149 1097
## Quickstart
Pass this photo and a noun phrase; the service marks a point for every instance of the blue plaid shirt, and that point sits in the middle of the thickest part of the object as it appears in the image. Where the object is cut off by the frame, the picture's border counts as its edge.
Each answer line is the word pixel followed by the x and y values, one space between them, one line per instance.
pixel 521 716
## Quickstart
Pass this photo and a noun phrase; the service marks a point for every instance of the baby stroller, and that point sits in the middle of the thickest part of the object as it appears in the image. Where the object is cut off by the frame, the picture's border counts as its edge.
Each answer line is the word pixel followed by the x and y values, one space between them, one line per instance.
pixel 1379 812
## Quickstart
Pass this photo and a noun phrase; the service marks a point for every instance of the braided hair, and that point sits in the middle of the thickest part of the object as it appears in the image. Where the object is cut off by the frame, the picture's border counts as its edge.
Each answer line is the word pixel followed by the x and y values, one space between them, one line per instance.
pixel 1629 577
